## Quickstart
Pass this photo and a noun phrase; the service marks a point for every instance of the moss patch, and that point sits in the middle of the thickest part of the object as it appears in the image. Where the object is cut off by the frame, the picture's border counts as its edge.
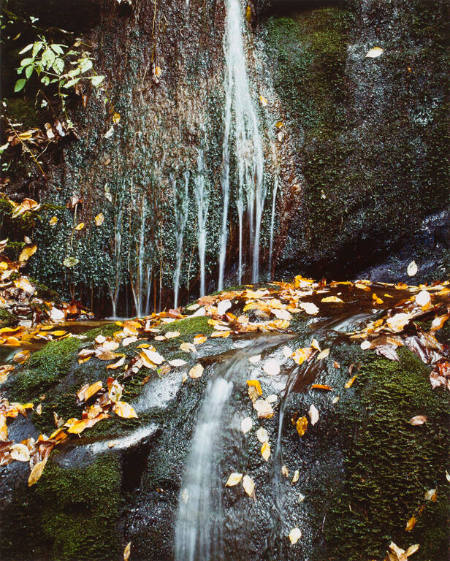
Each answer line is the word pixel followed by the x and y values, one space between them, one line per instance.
pixel 189 326
pixel 7 319
pixel 69 515
pixel 45 368
pixel 390 464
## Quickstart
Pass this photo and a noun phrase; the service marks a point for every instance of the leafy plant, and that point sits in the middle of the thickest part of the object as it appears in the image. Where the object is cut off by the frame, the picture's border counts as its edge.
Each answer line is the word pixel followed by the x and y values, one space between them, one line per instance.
pixel 56 63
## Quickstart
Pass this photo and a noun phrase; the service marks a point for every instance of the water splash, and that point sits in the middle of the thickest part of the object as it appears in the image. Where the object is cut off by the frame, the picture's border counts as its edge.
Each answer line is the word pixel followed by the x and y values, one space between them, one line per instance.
pixel 241 117
pixel 181 203
pixel 199 520
pixel 272 224
pixel 202 200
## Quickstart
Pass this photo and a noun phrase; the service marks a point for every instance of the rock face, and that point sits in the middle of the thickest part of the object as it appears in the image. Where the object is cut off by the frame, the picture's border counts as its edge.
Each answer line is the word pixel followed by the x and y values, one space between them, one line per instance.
pixel 125 480
pixel 353 145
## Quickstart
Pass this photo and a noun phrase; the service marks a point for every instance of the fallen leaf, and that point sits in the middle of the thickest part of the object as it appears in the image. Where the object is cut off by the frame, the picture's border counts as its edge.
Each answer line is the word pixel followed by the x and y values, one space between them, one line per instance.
pixel 323 354
pixel 284 471
pixel 233 479
pixel 410 524
pixel 153 356
pixel 27 252
pixel 263 408
pixel 301 425
pixel 332 299
pixel 431 495
pixel 296 476
pixel 300 355
pixel 125 410
pixel 223 307
pixel 265 451
pixel 374 52
pixel 324 387
pixel 308 307
pixel 349 383
pixel 127 552
pixel 294 535
pixel 88 391
pixel 249 486
pixel 99 219
pixel 20 453
pixel 172 334
pixel 79 226
pixel 246 425
pixel 53 220
pixel 36 472
pixel 423 298
pixel 254 389
pixel 199 339
pixel 117 364
pixel 412 269
pixel 418 420
pixel 262 435
pixel 196 371
pixel 177 362
pixel 313 414
pixel 272 367
pixel 220 334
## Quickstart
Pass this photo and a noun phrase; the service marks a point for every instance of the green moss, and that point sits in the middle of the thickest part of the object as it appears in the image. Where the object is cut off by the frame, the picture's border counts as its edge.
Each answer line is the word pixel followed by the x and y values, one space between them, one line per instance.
pixel 45 368
pixel 189 326
pixel 390 464
pixel 51 521
pixel 106 330
pixel 7 319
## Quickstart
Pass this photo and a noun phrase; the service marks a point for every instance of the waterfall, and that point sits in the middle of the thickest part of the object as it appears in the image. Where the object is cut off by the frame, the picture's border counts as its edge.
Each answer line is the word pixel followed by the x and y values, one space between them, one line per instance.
pixel 181 202
pixel 241 117
pixel 199 519
pixel 202 200
pixel 272 224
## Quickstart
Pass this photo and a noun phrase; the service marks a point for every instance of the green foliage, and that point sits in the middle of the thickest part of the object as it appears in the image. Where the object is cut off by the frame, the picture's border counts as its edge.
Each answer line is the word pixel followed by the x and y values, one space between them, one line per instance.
pixel 55 63
pixel 390 464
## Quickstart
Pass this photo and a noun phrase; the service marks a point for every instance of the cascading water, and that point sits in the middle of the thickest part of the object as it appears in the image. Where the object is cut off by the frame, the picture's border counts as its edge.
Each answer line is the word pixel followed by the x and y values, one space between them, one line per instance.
pixel 199 519
pixel 202 200
pixel 181 202
pixel 240 116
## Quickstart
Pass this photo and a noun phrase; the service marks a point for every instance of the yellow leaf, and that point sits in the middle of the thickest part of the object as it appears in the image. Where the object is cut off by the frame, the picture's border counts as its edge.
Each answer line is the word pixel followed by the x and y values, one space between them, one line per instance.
pixel 21 356
pixel 374 52
pixel 412 549
pixel 296 476
pixel 36 472
pixel 233 479
pixel 265 451
pixel 300 355
pixel 246 425
pixel 255 384
pixel 53 220
pixel 410 524
pixel 127 550
pixel 80 226
pixel 294 535
pixel 349 383
pixel 249 486
pixel 99 219
pixel 27 252
pixel 196 371
pixel 116 118
pixel 58 333
pixel 199 339
pixel 263 408
pixel 3 428
pixel 333 299
pixel 301 425
pixel 124 410
pixel 24 284
pixel 221 334
pixel 88 391
pixel 262 435
pixel 172 334
pixel 323 354
pixel 263 100
pixel 117 364
pixel 431 495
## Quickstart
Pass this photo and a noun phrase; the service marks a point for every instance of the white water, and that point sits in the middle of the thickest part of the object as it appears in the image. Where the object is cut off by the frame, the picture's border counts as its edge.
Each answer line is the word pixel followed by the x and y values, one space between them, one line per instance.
pixel 202 200
pixel 272 224
pixel 240 117
pixel 199 520
pixel 181 202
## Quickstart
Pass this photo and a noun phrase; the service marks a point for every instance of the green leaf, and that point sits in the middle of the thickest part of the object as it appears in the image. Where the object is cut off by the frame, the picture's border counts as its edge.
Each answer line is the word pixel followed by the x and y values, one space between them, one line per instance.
pixel 71 83
pixel 74 72
pixel 29 71
pixel 26 61
pixel 20 84
pixel 45 80
pixel 48 57
pixel 85 64
pixel 96 80
pixel 37 47
pixel 58 66
pixel 57 48
pixel 26 49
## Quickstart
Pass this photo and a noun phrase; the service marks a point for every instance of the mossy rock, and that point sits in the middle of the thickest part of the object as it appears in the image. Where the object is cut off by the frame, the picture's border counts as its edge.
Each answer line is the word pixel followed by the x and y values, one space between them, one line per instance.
pixel 69 515
pixel 390 464
pixel 7 319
